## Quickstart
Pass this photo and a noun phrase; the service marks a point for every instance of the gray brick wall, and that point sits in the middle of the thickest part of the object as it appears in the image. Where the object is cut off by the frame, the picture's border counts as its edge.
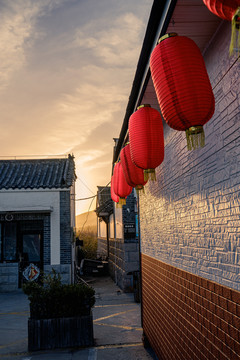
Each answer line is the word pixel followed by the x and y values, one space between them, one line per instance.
pixel 8 277
pixel 123 259
pixel 63 270
pixel 102 246
pixel 190 217
pixel 65 228
pixel 46 240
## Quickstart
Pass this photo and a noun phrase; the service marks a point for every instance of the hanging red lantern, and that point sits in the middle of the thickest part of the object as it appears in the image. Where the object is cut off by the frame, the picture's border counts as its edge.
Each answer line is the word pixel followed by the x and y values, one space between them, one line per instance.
pixel 134 175
pixel 114 197
pixel 182 86
pixel 146 139
pixel 120 186
pixel 228 10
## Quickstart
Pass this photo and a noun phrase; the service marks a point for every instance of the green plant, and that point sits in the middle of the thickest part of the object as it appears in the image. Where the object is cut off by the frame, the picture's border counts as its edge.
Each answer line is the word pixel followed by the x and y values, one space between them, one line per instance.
pixel 52 299
pixel 89 237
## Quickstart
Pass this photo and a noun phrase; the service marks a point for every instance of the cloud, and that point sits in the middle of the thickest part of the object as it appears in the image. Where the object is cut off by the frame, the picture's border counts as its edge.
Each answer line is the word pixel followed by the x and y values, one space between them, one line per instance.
pixel 66 70
pixel 117 44
pixel 17 28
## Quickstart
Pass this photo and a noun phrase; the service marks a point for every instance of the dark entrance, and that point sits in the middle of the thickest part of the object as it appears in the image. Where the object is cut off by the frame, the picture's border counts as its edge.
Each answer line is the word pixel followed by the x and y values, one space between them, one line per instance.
pixel 21 241
pixel 30 252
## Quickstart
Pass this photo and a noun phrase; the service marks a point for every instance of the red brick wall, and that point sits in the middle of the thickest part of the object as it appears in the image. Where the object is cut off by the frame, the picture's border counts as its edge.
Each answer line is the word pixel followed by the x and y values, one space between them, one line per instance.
pixel 188 317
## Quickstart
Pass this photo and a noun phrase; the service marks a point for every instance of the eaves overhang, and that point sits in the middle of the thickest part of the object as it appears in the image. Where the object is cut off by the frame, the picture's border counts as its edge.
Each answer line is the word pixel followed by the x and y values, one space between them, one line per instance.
pixel 186 17
pixel 160 16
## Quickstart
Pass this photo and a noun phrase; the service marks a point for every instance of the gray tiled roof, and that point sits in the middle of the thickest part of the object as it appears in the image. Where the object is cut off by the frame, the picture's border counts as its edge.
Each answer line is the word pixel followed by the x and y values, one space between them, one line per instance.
pixel 103 194
pixel 104 201
pixel 36 174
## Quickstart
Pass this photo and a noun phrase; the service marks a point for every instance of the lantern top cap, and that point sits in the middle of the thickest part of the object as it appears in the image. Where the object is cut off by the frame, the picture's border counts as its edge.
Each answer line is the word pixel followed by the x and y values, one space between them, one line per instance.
pixel 166 36
pixel 142 106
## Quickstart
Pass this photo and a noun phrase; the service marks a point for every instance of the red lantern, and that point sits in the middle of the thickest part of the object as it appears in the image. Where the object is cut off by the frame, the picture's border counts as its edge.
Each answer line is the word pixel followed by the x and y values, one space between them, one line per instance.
pixel 182 86
pixel 134 175
pixel 114 197
pixel 227 10
pixel 120 186
pixel 146 139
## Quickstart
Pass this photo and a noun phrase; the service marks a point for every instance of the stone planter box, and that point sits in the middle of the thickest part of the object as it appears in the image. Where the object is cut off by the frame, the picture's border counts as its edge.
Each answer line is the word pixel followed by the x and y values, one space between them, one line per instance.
pixel 60 333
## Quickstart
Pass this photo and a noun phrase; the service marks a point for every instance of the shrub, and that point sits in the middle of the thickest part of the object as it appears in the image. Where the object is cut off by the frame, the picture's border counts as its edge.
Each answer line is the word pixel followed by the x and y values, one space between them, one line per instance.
pixel 52 299
pixel 89 237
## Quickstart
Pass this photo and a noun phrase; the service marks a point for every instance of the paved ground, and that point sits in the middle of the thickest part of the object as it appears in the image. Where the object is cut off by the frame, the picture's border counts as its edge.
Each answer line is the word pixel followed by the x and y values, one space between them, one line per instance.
pixel 117 328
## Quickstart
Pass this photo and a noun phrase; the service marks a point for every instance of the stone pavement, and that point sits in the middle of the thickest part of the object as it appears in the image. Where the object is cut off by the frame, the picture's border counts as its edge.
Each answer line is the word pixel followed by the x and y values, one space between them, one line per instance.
pixel 117 328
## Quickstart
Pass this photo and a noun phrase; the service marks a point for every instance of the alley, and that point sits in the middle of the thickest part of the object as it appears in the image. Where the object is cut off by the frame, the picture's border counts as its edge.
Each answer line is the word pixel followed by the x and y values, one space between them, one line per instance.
pixel 117 327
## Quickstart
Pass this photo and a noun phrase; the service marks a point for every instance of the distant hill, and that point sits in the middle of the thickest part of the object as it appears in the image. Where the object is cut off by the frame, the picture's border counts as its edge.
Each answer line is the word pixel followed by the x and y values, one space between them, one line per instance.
pixel 91 223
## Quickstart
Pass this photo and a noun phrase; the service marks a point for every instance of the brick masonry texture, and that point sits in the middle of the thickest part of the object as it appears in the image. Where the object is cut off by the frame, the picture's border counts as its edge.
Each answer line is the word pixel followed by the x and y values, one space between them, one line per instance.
pixel 123 251
pixel 190 217
pixel 65 228
pixel 8 277
pixel 187 317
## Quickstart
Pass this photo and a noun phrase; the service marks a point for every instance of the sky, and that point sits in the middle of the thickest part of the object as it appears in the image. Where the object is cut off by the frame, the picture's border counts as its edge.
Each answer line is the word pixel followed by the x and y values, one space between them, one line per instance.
pixel 66 72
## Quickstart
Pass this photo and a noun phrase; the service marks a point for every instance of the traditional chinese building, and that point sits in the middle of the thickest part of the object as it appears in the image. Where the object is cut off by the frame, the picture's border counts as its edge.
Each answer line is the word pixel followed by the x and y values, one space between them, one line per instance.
pixel 37 217
pixel 189 217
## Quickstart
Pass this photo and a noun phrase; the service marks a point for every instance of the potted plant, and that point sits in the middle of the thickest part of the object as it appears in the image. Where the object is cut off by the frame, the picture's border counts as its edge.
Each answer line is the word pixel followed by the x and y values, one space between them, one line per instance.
pixel 60 314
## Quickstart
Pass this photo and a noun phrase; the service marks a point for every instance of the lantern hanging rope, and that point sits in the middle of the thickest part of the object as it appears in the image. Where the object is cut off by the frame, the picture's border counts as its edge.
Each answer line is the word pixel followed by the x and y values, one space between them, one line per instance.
pixel 228 10
pixel 182 86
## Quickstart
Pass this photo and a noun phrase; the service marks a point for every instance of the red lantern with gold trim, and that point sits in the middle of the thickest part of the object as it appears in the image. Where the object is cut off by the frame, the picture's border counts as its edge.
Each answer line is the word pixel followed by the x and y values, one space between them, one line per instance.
pixel 120 186
pixel 228 10
pixel 134 175
pixel 114 197
pixel 146 139
pixel 182 86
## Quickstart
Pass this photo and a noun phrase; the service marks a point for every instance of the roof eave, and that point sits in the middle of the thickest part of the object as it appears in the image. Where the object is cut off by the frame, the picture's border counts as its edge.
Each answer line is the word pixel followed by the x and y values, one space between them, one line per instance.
pixel 157 26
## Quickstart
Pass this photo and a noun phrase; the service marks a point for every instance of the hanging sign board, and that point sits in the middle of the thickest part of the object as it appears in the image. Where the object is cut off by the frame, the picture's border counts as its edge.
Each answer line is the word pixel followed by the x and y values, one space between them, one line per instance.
pixel 129 230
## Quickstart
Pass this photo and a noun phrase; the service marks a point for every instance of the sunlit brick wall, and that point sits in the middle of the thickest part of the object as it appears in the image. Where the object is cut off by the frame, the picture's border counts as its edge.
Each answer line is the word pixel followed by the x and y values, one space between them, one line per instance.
pixel 190 216
pixel 190 230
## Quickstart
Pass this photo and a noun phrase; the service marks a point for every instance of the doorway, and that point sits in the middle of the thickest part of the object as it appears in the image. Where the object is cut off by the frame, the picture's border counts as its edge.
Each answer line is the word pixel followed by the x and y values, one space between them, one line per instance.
pixel 30 256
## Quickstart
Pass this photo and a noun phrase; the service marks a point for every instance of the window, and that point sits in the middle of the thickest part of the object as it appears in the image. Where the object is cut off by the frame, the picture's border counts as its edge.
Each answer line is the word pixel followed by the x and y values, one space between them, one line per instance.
pixel 9 241
pixel 32 247
pixel 0 241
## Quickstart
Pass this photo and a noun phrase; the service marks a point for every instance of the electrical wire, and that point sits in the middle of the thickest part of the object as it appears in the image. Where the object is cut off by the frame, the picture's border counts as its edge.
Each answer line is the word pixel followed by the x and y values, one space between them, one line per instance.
pixel 85 185
pixel 87 198
pixel 91 197
pixel 87 215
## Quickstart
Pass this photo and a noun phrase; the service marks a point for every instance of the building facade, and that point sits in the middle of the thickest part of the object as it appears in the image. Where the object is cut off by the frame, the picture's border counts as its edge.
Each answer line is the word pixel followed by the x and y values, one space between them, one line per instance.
pixel 118 238
pixel 37 218
pixel 189 217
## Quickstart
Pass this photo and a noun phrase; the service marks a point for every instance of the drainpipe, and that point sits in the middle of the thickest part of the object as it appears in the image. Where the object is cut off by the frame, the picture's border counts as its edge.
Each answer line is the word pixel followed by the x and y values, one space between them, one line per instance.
pixel 107 225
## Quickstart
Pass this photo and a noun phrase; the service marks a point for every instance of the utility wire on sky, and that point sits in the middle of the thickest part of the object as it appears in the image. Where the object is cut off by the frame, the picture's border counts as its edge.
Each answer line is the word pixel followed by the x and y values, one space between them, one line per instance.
pixel 91 197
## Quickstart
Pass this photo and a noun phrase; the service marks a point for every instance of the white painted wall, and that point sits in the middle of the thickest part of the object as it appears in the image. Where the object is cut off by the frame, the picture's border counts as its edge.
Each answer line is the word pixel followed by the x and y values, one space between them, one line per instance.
pixel 102 229
pixel 111 226
pixel 32 201
pixel 119 222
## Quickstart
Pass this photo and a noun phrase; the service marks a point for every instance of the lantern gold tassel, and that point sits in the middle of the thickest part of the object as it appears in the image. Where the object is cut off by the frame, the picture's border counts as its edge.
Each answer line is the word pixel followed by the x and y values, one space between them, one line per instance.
pixel 235 38
pixel 149 173
pixel 122 201
pixel 195 137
